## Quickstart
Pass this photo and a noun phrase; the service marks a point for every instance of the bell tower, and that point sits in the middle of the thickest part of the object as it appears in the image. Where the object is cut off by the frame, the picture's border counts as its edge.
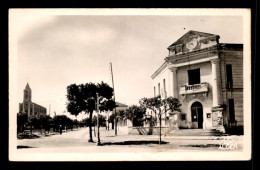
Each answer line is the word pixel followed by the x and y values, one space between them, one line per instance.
pixel 27 93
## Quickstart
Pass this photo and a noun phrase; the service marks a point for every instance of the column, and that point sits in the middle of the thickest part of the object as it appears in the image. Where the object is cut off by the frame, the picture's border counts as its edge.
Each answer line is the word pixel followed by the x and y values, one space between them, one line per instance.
pixel 216 86
pixel 217 113
pixel 174 82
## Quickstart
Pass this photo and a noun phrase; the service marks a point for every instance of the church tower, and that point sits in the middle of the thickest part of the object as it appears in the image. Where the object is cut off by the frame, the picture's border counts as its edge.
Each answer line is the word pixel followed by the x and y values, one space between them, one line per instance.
pixel 28 106
pixel 27 93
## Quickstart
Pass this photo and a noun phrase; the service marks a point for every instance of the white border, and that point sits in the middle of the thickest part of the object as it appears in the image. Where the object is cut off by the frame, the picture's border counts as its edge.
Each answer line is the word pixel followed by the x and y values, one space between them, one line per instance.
pixel 15 155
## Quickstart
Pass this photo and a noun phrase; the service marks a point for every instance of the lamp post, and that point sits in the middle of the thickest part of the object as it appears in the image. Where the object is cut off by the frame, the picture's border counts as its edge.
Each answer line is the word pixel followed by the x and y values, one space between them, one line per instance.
pixel 98 142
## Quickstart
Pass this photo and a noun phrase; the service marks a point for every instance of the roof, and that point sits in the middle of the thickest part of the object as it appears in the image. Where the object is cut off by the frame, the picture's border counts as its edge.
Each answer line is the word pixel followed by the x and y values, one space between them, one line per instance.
pixel 27 86
pixel 228 46
pixel 192 32
pixel 39 105
pixel 121 104
pixel 159 70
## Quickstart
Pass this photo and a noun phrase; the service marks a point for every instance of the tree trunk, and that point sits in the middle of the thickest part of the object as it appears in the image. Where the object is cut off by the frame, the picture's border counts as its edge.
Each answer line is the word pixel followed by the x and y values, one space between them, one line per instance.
pixel 95 130
pixel 160 119
pixel 90 127
pixel 112 124
pixel 115 126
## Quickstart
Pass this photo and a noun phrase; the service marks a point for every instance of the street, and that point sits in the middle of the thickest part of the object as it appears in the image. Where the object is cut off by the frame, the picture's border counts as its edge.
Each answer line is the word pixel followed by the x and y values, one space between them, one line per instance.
pixel 76 141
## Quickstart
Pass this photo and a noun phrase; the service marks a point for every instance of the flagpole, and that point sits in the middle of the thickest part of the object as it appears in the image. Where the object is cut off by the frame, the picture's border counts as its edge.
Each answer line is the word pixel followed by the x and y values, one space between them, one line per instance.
pixel 49 110
pixel 114 98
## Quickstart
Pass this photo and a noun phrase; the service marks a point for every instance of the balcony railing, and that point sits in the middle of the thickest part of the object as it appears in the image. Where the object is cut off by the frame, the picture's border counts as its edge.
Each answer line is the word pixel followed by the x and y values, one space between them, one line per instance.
pixel 195 88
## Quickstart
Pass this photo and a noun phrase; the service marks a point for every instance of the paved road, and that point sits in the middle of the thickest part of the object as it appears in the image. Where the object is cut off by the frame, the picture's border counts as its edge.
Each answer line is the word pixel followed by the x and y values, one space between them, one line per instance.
pixel 77 141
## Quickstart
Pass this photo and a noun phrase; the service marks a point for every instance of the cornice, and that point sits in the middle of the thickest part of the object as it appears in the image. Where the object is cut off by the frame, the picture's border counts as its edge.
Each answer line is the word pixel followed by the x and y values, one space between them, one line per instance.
pixel 192 56
pixel 159 70
pixel 192 53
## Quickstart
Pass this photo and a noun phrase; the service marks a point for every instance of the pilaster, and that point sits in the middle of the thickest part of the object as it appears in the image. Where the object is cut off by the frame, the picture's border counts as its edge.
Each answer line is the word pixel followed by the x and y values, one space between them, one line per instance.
pixel 174 82
pixel 216 86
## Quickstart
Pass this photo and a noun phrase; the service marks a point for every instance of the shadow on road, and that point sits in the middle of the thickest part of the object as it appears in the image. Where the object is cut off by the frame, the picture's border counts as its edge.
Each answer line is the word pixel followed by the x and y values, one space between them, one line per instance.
pixel 27 136
pixel 201 146
pixel 142 142
pixel 23 147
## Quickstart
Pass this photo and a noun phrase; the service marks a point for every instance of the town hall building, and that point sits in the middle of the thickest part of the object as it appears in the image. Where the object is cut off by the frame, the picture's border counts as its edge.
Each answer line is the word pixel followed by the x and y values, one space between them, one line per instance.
pixel 207 78
pixel 28 106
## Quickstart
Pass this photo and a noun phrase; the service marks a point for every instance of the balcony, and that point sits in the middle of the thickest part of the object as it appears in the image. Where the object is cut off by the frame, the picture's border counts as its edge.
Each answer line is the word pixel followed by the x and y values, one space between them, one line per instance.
pixel 195 88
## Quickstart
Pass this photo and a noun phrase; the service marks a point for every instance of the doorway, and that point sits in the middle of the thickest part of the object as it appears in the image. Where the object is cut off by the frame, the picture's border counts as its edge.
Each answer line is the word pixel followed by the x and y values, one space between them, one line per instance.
pixel 197 114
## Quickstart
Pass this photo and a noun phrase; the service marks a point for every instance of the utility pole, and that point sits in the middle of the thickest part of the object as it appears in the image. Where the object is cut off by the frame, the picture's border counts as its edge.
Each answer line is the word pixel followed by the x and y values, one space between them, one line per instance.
pixel 98 142
pixel 114 98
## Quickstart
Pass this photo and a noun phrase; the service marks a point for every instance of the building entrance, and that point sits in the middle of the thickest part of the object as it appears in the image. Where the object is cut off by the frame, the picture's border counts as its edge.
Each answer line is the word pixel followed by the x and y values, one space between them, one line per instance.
pixel 197 114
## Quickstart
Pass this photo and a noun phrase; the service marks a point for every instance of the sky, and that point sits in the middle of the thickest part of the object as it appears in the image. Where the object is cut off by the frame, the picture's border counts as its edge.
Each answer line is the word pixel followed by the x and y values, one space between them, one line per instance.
pixel 54 51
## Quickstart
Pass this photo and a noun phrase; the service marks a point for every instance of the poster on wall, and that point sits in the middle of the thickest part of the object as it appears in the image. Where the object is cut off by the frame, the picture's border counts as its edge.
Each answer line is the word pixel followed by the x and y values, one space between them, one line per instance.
pixel 217 119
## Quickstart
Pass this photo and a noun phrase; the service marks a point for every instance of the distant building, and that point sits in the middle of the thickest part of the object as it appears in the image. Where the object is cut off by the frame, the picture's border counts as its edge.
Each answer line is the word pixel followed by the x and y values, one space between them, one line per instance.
pixel 119 107
pixel 28 106
pixel 207 78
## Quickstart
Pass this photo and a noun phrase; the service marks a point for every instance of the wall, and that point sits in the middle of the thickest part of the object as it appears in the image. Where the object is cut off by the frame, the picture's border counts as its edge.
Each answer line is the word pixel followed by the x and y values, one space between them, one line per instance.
pixel 33 107
pixel 164 74
pixel 159 79
pixel 148 130
pixel 206 101
pixel 235 58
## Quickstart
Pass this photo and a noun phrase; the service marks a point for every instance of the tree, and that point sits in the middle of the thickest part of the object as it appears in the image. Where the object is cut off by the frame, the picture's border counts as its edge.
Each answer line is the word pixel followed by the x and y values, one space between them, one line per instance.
pixel 102 120
pixel 62 120
pixel 111 119
pixel 83 122
pixel 83 98
pixel 43 121
pixel 122 116
pixel 75 123
pixel 135 114
pixel 33 121
pixel 22 119
pixel 160 105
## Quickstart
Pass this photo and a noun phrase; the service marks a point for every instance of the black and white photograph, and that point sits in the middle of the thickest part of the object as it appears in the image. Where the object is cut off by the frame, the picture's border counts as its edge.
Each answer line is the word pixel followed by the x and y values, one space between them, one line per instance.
pixel 129 84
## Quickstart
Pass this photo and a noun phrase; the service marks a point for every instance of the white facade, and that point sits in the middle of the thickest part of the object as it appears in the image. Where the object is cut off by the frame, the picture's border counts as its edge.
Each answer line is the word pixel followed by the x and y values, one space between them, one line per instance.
pixel 195 73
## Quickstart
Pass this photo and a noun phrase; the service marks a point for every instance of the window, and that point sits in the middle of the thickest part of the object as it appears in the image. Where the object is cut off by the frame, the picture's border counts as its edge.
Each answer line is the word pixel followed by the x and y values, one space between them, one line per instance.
pixel 159 93
pixel 164 87
pixel 194 76
pixel 229 76
pixel 179 48
pixel 183 117
pixel 172 52
pixel 231 110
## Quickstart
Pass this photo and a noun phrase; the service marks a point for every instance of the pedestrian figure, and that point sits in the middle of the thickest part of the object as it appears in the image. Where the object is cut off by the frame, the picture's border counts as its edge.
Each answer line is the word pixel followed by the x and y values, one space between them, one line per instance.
pixel 60 129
